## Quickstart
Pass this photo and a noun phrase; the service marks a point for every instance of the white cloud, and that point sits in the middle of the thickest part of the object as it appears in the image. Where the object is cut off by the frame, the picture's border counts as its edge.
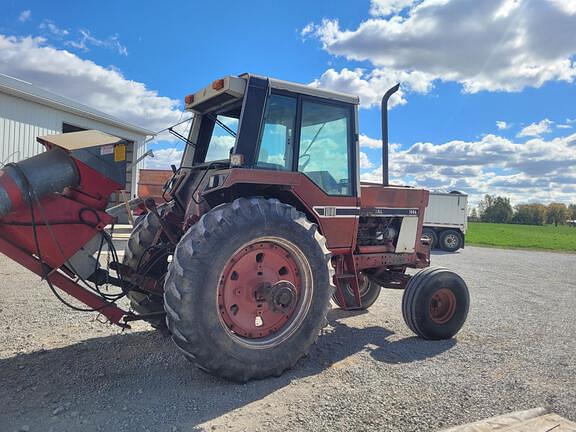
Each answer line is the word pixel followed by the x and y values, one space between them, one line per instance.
pixel 219 147
pixel 371 86
pixel 163 158
pixel 367 142
pixel 83 39
pixel 50 27
pixel 307 30
pixel 502 125
pixel 86 40
pixel 25 15
pixel 564 126
pixel 536 129
pixel 537 170
pixel 388 7
pixel 492 45
pixel 568 6
pixel 365 163
pixel 32 60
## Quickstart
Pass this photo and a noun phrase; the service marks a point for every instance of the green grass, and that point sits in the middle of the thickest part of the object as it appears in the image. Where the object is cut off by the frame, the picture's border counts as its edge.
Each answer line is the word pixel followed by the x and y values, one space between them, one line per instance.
pixel 547 237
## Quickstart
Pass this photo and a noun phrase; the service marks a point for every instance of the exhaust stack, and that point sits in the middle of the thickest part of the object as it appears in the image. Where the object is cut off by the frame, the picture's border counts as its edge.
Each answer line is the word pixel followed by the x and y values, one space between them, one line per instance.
pixel 384 111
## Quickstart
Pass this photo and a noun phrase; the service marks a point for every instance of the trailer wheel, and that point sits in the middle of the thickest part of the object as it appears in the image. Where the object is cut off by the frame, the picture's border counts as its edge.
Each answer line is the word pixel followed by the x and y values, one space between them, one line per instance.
pixel 450 240
pixel 435 303
pixel 369 293
pixel 430 235
pixel 145 230
pixel 248 289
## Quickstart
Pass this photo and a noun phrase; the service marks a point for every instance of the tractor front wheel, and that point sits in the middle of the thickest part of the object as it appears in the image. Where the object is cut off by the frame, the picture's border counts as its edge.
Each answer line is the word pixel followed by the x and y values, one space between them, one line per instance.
pixel 248 289
pixel 144 233
pixel 435 303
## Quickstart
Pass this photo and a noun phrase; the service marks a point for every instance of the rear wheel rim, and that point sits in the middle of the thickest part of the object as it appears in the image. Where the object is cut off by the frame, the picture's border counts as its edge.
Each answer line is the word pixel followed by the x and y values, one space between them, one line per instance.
pixel 264 292
pixel 451 241
pixel 442 306
pixel 363 285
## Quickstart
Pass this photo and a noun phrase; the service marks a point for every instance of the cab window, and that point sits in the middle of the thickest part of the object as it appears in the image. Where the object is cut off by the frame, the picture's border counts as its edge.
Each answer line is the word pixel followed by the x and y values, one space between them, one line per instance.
pixel 324 154
pixel 222 141
pixel 277 139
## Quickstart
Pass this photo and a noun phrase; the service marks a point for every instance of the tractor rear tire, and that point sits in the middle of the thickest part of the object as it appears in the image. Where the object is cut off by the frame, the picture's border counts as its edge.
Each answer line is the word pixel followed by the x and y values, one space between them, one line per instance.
pixel 219 293
pixel 142 237
pixel 369 293
pixel 435 303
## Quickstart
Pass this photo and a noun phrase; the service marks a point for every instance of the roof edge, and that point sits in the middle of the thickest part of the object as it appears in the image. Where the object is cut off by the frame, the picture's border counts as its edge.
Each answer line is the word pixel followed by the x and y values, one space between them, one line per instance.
pixel 307 89
pixel 25 90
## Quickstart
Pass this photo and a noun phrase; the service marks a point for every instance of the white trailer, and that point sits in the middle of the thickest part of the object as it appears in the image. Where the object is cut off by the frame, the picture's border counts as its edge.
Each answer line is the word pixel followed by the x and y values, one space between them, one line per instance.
pixel 446 220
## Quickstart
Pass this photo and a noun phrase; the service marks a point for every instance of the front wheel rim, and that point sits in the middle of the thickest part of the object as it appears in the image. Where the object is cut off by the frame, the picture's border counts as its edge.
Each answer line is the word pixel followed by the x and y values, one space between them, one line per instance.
pixel 442 306
pixel 264 292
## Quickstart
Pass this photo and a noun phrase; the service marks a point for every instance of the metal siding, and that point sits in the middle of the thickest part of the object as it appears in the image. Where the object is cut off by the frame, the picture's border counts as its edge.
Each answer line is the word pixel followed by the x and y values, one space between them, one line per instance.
pixel 21 121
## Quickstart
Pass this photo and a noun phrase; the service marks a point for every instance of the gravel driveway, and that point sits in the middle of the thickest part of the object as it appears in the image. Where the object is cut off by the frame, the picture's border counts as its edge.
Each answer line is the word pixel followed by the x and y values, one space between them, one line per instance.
pixel 63 371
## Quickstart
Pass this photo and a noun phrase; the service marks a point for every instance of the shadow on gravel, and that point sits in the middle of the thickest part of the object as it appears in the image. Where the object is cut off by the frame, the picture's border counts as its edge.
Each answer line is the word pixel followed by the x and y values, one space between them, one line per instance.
pixel 139 381
pixel 441 252
pixel 374 340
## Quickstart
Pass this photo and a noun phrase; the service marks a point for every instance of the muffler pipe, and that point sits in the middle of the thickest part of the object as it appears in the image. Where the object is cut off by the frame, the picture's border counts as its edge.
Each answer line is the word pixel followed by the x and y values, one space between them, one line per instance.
pixel 44 174
pixel 384 112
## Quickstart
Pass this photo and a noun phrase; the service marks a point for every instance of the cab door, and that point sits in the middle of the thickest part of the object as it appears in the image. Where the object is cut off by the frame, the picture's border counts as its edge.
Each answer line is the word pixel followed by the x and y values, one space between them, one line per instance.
pixel 327 146
pixel 316 140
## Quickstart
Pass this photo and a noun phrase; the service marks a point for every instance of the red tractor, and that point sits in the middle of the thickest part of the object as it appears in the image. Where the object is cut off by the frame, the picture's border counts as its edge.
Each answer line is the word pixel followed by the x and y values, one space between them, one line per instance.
pixel 265 222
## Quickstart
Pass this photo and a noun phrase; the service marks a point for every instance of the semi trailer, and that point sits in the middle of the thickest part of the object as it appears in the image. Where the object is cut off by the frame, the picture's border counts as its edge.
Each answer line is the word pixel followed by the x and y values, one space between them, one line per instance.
pixel 446 220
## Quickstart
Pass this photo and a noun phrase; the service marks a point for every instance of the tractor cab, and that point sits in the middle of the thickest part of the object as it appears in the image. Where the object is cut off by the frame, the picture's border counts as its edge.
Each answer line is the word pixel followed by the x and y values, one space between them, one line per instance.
pixel 265 124
pixel 254 135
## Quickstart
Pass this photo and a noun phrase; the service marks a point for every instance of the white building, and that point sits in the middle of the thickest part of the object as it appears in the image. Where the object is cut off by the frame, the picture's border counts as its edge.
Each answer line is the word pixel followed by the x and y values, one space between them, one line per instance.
pixel 27 111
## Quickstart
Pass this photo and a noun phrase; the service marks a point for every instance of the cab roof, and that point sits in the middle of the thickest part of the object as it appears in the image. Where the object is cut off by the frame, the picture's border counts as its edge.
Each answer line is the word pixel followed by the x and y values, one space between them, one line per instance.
pixel 230 89
pixel 309 90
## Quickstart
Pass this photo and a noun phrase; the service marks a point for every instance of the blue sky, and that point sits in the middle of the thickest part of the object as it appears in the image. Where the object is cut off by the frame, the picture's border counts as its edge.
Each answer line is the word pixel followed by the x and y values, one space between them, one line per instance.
pixel 488 104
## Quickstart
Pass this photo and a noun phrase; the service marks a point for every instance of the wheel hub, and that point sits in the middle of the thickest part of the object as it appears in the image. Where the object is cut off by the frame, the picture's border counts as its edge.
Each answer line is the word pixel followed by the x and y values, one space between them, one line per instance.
pixel 451 240
pixel 442 306
pixel 260 290
pixel 282 296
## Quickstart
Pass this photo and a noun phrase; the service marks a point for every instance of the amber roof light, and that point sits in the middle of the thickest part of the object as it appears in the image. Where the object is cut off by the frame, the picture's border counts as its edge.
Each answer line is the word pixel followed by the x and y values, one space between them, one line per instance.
pixel 218 84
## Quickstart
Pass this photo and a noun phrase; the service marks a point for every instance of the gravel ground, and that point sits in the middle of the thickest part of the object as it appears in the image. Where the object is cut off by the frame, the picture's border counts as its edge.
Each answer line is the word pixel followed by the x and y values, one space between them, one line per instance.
pixel 63 371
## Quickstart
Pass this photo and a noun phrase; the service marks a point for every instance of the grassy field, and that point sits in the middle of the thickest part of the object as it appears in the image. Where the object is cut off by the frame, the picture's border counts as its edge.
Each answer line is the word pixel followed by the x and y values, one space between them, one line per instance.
pixel 547 237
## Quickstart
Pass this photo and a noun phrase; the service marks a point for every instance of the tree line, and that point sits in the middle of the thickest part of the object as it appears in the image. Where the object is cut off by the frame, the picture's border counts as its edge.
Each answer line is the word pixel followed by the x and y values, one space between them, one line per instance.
pixel 497 209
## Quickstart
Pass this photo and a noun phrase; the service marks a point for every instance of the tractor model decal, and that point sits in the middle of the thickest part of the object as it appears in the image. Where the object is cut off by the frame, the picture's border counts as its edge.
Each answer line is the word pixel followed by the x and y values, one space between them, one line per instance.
pixel 389 212
pixel 329 211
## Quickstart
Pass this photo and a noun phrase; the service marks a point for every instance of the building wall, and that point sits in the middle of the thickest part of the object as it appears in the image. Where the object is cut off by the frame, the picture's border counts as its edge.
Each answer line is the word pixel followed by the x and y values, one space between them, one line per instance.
pixel 21 121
